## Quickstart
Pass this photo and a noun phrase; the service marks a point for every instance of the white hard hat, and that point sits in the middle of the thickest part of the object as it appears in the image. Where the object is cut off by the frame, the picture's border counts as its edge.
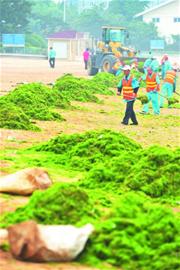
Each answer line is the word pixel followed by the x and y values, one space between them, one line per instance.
pixel 126 67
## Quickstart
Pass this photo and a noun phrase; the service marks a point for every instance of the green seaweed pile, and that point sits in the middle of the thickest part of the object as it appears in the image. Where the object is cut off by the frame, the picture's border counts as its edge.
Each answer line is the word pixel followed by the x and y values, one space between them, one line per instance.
pixel 36 101
pixel 122 193
pixel 80 89
pixel 136 234
pixel 105 78
pixel 13 117
pixel 131 231
pixel 60 204
pixel 113 160
pixel 157 172
pixel 84 151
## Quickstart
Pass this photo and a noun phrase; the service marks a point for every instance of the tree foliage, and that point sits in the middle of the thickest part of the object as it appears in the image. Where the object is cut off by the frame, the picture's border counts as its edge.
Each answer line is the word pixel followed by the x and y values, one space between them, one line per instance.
pixel 127 8
pixel 47 17
pixel 14 15
pixel 44 17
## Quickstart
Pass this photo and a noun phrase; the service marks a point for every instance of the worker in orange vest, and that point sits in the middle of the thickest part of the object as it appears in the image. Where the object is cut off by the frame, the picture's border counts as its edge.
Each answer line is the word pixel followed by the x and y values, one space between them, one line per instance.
pixel 152 88
pixel 129 87
pixel 169 85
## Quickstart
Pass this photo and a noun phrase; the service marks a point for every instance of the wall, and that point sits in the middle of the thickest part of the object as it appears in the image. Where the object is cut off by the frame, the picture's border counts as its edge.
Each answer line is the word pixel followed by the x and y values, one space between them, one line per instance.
pixel 72 50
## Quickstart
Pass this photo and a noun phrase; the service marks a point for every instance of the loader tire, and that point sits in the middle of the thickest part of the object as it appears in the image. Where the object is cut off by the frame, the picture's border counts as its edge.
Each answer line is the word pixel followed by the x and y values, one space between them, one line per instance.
pixel 108 62
pixel 91 70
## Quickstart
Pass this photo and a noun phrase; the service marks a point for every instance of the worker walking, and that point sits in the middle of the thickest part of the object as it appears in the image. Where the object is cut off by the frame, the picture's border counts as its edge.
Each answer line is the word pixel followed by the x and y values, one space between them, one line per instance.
pixel 169 85
pixel 152 88
pixel 52 57
pixel 148 62
pixel 86 56
pixel 165 65
pixel 129 87
pixel 155 65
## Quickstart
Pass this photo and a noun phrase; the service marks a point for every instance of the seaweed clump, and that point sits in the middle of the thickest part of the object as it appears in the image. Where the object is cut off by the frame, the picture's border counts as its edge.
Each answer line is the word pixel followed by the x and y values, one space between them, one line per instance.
pixel 37 101
pixel 107 79
pixel 156 172
pixel 60 204
pixel 84 151
pixel 131 232
pixel 80 89
pixel 136 234
pixel 13 117
pixel 30 101
pixel 143 99
pixel 112 160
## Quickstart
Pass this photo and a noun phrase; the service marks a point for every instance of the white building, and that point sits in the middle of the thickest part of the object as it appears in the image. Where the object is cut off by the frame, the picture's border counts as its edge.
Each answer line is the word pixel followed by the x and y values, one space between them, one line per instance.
pixel 166 17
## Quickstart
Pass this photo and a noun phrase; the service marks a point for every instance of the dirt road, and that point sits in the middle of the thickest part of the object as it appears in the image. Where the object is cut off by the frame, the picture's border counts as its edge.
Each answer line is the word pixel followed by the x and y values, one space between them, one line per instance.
pixel 16 70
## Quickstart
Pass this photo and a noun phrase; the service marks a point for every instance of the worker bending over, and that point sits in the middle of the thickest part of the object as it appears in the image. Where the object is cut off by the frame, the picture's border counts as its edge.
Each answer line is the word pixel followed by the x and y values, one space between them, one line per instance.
pixel 152 63
pixel 165 65
pixel 152 88
pixel 169 85
pixel 129 87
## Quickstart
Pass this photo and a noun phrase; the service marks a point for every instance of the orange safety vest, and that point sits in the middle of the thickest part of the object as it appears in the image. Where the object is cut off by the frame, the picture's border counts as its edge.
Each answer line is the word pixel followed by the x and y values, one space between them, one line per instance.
pixel 151 83
pixel 170 76
pixel 128 92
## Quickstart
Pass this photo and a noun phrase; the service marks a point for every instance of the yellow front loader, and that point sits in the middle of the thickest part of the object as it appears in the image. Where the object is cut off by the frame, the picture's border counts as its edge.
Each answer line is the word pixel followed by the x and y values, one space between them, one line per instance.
pixel 110 50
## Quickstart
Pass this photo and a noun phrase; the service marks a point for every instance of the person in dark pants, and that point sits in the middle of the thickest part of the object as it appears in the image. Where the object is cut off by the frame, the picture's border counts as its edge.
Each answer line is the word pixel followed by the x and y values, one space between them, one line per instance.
pixel 52 57
pixel 129 87
pixel 86 56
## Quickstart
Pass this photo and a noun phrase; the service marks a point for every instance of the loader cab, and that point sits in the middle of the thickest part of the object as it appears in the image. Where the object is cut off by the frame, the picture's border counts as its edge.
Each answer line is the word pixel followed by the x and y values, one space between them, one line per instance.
pixel 114 34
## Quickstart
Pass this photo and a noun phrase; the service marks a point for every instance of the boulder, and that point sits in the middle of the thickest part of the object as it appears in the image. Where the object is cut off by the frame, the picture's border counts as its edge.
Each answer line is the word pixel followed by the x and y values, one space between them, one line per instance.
pixel 25 182
pixel 42 243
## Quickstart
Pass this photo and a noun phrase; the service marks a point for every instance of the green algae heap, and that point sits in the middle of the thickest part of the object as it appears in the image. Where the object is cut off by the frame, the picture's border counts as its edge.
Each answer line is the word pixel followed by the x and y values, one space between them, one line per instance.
pixel 131 231
pixel 13 117
pixel 107 79
pixel 113 160
pixel 80 89
pixel 84 151
pixel 60 204
pixel 117 195
pixel 35 101
pixel 136 234
pixel 157 172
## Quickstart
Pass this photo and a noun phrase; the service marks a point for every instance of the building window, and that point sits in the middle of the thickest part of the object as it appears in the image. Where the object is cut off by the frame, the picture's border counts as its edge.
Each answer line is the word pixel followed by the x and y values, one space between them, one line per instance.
pixel 177 19
pixel 156 20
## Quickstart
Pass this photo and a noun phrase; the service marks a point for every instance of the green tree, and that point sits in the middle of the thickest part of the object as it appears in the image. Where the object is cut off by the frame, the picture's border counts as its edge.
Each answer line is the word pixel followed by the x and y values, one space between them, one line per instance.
pixel 47 17
pixel 141 33
pixel 128 8
pixel 119 13
pixel 90 21
pixel 14 15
